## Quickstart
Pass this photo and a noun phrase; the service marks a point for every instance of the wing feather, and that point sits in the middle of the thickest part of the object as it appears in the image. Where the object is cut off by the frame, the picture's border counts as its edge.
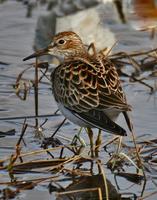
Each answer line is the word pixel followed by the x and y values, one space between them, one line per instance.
pixel 100 120
pixel 77 82
pixel 88 90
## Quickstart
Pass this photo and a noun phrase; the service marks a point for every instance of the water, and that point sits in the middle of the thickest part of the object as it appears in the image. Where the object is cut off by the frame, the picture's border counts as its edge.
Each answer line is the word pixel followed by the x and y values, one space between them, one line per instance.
pixel 16 40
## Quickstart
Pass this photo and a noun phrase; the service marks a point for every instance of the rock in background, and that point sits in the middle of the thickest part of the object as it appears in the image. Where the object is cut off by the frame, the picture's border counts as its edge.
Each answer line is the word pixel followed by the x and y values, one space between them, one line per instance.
pixel 85 17
pixel 89 25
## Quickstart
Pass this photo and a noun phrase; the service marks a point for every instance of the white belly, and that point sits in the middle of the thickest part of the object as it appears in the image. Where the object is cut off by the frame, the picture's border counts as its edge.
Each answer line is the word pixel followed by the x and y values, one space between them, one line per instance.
pixel 111 113
pixel 71 116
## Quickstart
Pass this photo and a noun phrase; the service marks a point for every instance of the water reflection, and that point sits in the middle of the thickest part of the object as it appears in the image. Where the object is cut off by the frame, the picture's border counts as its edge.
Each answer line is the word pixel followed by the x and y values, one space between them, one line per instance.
pixel 89 187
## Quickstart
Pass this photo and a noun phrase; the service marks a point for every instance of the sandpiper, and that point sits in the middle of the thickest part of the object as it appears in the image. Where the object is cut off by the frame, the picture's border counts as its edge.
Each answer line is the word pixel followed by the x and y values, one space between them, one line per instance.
pixel 86 86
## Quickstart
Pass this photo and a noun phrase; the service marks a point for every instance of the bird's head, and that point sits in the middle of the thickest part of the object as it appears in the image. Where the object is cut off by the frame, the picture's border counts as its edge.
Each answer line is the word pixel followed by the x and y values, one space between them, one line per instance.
pixel 65 44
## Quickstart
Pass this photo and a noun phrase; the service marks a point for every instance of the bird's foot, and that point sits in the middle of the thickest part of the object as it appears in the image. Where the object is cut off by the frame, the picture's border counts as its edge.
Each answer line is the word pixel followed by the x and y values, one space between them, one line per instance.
pixel 77 137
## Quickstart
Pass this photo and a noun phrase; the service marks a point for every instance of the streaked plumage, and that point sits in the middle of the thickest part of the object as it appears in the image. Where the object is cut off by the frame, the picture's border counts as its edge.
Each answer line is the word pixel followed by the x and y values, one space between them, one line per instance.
pixel 86 87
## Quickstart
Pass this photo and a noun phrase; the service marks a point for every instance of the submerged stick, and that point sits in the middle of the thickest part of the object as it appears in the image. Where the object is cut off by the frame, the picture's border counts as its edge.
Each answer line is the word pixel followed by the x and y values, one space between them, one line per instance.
pixel 36 100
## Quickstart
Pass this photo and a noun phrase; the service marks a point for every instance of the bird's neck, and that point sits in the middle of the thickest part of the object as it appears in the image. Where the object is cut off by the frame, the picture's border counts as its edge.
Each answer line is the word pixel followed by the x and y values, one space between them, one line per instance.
pixel 77 53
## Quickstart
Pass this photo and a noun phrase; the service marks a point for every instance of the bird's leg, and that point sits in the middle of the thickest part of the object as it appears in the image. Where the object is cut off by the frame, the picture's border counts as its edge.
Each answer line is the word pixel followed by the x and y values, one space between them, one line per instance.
pixel 98 143
pixel 119 145
pixel 115 155
pixel 90 135
pixel 77 137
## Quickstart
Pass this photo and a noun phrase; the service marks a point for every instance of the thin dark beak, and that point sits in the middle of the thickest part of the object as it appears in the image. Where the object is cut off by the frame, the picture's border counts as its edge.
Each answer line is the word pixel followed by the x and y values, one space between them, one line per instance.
pixel 38 53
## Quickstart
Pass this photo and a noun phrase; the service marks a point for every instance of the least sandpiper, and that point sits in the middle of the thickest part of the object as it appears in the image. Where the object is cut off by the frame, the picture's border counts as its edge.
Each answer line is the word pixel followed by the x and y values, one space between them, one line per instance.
pixel 86 86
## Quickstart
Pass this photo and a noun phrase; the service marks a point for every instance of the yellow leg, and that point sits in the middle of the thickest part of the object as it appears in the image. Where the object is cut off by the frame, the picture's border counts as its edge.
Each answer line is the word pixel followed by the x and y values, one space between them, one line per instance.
pixel 98 143
pixel 90 135
pixel 77 137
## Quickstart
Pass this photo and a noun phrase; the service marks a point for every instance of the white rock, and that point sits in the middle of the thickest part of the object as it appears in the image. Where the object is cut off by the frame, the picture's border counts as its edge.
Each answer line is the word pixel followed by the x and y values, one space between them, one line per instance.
pixel 89 25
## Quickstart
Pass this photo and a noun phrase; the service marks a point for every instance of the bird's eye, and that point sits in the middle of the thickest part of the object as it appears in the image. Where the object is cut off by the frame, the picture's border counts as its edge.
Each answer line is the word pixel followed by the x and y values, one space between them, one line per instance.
pixel 61 41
